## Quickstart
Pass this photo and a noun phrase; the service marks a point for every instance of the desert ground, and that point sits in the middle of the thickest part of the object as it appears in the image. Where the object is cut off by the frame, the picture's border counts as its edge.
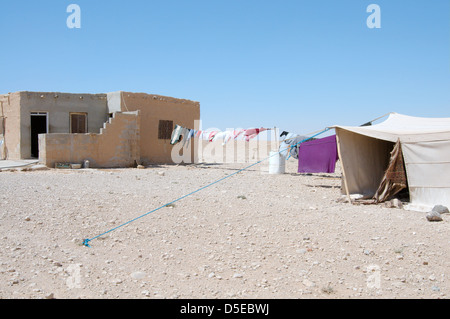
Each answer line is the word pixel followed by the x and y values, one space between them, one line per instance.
pixel 254 235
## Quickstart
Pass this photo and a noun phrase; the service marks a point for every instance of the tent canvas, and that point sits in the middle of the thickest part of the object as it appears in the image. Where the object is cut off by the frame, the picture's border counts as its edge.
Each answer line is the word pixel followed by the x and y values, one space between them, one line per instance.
pixel 425 143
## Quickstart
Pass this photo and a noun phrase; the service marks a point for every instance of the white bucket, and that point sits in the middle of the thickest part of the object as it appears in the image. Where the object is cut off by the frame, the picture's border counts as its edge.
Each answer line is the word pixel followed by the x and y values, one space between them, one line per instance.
pixel 277 163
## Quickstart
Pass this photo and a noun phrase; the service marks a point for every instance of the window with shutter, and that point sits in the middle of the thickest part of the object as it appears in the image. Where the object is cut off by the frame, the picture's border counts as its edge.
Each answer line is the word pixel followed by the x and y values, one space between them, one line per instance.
pixel 165 130
pixel 78 123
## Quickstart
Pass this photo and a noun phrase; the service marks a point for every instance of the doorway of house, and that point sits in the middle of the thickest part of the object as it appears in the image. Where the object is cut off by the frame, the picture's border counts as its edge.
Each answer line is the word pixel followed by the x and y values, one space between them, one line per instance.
pixel 39 125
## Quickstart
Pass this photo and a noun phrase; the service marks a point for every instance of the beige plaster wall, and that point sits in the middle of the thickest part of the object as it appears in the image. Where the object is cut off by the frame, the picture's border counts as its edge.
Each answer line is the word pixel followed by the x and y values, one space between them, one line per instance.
pixel 59 106
pixel 154 108
pixel 10 111
pixel 117 144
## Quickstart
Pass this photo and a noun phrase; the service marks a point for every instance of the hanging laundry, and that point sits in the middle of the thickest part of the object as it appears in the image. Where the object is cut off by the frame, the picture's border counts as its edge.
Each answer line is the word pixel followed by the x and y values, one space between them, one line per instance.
pixel 219 136
pixel 289 146
pixel 232 135
pixel 318 156
pixel 252 133
pixel 204 135
pixel 236 133
pixel 284 134
pixel 228 136
pixel 188 137
pixel 178 133
pixel 289 136
pixel 211 135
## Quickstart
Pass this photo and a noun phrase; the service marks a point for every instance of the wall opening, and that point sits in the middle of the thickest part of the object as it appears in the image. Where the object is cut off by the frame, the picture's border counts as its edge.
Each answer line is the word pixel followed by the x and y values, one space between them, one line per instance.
pixel 165 129
pixel 78 123
pixel 39 125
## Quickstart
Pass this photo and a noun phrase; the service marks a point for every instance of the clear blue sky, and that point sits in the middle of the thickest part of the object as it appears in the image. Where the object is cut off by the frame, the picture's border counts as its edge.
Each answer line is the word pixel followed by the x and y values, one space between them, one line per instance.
pixel 298 65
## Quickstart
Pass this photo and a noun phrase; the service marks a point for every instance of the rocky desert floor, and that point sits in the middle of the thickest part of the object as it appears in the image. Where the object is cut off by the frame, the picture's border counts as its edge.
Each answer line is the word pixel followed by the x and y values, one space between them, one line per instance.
pixel 253 235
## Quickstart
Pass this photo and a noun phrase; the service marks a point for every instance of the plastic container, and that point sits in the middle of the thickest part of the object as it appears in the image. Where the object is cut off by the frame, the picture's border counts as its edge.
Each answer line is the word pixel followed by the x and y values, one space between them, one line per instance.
pixel 277 163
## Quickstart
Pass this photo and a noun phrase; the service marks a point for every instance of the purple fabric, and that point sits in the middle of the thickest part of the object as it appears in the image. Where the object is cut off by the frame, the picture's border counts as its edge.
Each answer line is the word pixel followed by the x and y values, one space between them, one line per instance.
pixel 318 156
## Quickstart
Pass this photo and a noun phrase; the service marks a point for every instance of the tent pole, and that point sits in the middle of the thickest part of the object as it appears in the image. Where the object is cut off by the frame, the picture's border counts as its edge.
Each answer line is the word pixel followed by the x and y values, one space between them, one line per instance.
pixel 343 169
pixel 381 117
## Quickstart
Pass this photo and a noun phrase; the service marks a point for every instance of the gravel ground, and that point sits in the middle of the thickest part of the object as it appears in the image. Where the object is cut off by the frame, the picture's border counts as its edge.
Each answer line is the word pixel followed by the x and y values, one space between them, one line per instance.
pixel 253 235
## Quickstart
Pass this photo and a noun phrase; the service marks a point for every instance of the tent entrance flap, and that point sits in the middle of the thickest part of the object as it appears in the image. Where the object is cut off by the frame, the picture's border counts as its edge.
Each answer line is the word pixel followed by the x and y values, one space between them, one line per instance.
pixel 394 180
pixel 364 160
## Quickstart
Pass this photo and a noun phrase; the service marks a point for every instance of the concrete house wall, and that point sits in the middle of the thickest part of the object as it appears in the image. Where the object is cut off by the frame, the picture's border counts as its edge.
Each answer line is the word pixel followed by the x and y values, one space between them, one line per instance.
pixel 117 144
pixel 154 108
pixel 59 106
pixel 10 127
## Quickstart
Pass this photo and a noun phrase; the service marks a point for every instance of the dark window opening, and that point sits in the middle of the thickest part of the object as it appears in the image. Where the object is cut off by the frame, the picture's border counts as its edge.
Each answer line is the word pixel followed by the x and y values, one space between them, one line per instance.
pixel 78 123
pixel 165 130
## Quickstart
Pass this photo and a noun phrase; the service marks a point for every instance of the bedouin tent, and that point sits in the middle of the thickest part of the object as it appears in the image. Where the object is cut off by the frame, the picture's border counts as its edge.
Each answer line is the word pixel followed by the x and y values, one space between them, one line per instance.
pixel 368 154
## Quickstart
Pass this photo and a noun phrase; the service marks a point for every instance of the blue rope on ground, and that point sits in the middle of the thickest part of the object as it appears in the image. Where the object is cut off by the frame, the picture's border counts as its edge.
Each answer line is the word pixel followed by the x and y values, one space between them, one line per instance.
pixel 87 241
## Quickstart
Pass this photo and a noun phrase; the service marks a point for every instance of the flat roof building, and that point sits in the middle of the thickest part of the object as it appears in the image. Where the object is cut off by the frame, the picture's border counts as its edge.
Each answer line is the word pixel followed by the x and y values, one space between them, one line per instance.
pixel 118 129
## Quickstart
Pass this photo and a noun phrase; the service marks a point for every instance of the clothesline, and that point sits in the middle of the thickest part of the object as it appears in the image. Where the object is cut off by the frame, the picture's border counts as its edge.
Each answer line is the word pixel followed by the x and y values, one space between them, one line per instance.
pixel 86 242
pixel 313 156
pixel 289 141
pixel 214 135
pixel 184 135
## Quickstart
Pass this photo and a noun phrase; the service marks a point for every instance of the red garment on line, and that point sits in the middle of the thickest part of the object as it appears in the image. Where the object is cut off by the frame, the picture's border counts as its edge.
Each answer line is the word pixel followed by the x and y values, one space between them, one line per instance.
pixel 253 132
